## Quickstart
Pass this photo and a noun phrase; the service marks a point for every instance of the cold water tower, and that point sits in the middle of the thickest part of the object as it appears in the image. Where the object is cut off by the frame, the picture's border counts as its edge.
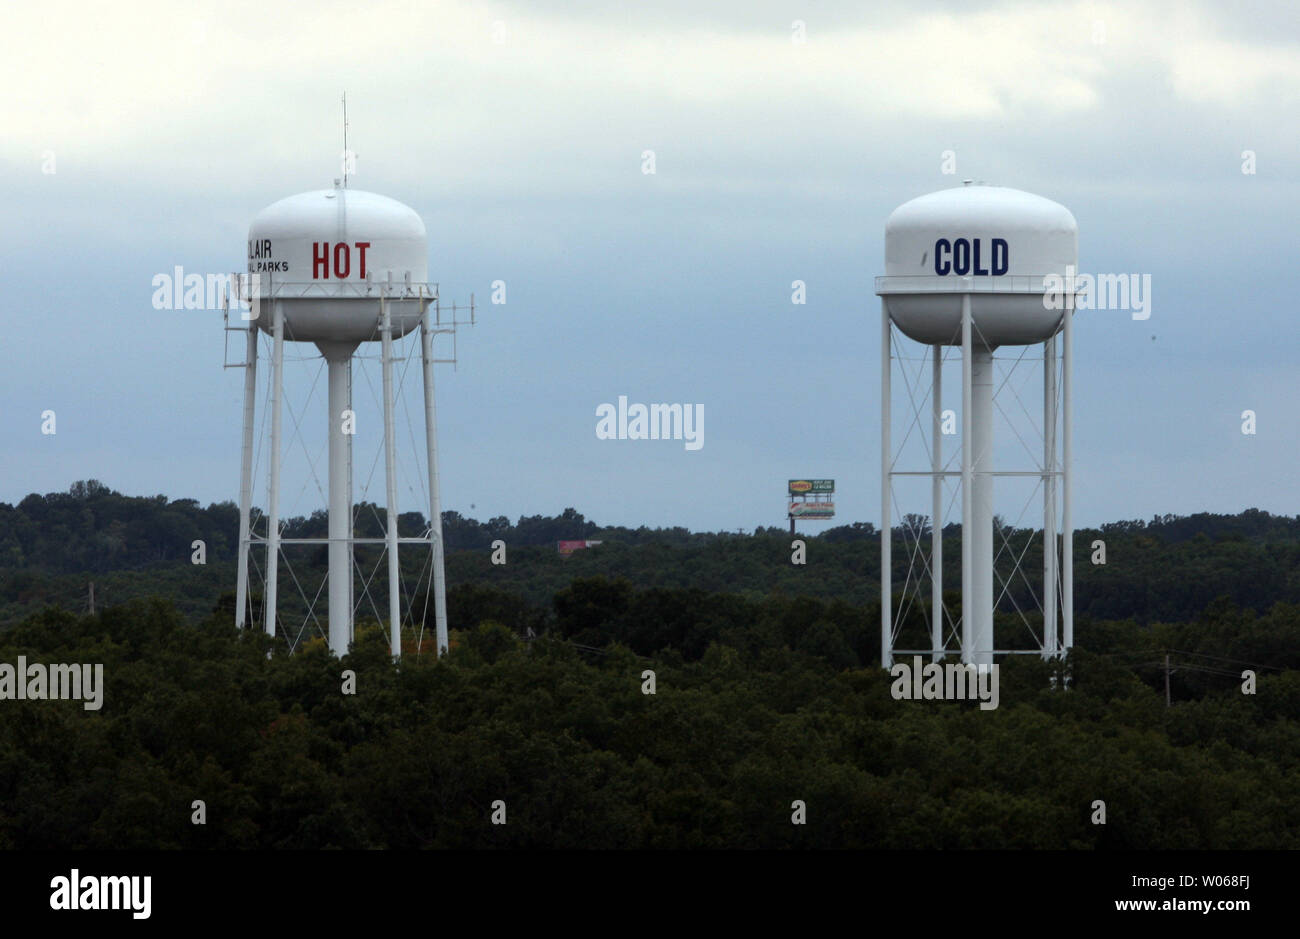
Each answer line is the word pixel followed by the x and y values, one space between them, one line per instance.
pixel 974 268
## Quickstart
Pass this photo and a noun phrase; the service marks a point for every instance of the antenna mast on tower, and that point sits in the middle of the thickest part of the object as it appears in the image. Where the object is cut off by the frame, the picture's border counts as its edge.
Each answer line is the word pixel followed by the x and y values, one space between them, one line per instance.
pixel 345 140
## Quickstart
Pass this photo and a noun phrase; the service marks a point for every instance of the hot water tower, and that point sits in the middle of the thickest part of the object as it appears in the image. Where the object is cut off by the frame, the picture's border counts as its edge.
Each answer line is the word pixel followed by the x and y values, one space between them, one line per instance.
pixel 974 268
pixel 337 268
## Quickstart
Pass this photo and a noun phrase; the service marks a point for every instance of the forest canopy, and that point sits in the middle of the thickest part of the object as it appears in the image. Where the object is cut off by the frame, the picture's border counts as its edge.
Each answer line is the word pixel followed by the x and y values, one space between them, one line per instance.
pixel 767 690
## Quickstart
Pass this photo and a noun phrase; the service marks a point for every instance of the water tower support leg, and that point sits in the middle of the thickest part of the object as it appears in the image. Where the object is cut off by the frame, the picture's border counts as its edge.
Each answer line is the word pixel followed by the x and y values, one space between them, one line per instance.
pixel 390 475
pixel 936 498
pixel 1050 629
pixel 339 364
pixel 246 476
pixel 967 495
pixel 435 501
pixel 273 496
pixel 981 534
pixel 886 589
pixel 1067 473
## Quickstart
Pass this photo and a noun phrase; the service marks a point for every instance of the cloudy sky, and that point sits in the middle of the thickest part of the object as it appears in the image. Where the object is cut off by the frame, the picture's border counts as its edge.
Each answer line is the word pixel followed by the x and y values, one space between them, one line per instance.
pixel 138 137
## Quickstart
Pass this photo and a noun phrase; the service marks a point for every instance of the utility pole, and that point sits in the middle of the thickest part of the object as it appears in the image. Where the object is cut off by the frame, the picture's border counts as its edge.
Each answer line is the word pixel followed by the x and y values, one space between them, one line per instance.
pixel 92 598
pixel 1167 679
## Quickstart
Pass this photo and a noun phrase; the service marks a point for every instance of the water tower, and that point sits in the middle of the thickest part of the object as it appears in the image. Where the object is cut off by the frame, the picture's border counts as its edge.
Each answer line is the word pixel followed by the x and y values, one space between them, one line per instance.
pixel 969 268
pixel 337 268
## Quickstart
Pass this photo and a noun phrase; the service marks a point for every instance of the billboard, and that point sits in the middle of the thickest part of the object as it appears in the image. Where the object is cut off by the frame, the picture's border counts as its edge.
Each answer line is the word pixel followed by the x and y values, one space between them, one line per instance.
pixel 568 547
pixel 811 487
pixel 812 510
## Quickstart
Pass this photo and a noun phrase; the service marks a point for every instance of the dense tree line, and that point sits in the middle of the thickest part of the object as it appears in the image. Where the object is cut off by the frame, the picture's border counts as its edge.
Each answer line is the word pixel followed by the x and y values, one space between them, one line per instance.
pixel 1167 569
pixel 768 690
pixel 94 528
pixel 757 704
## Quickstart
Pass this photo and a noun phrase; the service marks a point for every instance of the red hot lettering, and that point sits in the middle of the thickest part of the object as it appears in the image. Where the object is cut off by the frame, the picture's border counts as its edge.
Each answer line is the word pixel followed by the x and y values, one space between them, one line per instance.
pixel 320 259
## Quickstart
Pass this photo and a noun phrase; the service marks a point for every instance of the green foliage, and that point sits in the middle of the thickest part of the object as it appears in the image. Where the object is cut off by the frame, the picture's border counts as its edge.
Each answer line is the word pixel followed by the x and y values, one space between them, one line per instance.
pixel 582 758
pixel 1168 569
pixel 768 691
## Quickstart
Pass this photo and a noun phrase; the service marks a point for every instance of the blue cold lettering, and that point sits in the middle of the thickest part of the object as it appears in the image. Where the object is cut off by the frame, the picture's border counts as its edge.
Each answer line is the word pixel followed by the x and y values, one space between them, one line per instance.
pixel 941 266
pixel 962 256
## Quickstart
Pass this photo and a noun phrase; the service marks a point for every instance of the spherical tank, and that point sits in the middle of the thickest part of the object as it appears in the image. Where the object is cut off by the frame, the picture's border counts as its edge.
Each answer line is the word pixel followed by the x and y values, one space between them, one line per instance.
pixel 998 245
pixel 327 257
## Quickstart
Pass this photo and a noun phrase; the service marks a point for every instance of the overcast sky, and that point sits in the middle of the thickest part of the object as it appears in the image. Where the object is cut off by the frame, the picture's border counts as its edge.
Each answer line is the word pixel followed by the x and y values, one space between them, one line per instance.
pixel 138 137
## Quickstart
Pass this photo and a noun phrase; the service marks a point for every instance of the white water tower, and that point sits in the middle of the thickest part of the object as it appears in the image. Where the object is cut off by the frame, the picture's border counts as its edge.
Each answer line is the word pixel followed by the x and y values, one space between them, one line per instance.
pixel 337 268
pixel 969 268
